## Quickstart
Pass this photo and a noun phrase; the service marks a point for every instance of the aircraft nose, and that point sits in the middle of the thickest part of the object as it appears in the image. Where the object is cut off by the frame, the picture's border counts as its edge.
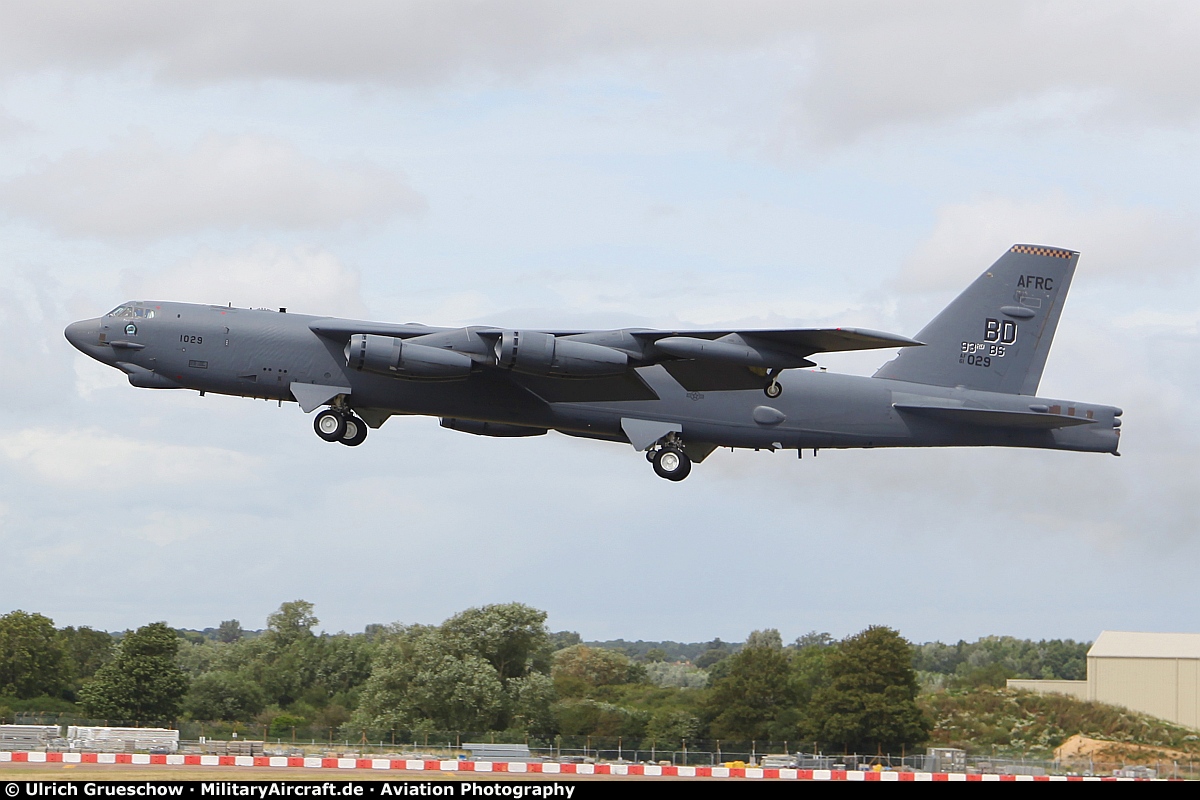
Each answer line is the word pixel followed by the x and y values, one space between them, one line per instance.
pixel 79 333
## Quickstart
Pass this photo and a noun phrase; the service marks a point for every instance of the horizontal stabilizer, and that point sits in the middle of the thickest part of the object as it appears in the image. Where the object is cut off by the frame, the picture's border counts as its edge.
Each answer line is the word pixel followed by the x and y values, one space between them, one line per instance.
pixel 1028 420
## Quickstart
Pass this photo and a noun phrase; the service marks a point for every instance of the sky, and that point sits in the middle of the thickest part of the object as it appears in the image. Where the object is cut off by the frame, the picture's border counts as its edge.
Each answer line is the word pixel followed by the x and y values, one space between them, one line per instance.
pixel 656 163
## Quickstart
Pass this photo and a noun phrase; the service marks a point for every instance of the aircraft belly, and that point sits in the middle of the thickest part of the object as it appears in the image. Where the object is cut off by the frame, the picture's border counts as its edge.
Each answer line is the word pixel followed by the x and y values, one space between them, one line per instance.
pixel 815 410
pixel 481 398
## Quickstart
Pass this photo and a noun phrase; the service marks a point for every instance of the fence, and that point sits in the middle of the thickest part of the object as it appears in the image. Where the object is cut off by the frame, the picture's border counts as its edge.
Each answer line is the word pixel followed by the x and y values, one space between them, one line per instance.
pixel 589 749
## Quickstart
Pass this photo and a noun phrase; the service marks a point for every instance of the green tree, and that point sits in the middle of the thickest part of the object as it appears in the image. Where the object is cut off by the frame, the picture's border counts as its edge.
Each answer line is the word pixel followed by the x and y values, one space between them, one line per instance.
pixel 755 697
pixel 765 638
pixel 484 668
pixel 229 631
pixel 715 652
pixel 810 672
pixel 142 683
pixel 561 639
pixel 86 650
pixel 285 660
pixel 512 637
pixel 580 669
pixel 293 622
pixel 870 701
pixel 672 725
pixel 531 701
pixel 32 662
pixel 226 696
pixel 580 717
pixel 420 678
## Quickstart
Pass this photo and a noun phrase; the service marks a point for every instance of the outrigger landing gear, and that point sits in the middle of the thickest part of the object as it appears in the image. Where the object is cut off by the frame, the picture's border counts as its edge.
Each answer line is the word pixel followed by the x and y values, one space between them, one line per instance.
pixel 338 425
pixel 773 388
pixel 669 460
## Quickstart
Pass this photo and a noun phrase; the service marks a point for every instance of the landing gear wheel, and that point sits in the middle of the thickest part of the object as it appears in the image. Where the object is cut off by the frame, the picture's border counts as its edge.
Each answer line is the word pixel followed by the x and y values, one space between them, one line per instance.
pixel 672 464
pixel 356 432
pixel 330 425
pixel 773 389
pixel 650 454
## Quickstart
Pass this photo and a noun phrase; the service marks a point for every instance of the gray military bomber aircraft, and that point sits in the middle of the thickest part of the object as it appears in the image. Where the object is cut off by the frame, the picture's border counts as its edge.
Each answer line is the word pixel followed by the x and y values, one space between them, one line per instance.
pixel 969 378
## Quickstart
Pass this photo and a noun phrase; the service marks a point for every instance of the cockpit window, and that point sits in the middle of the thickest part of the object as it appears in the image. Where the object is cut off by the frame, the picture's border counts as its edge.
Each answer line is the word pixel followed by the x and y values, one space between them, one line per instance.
pixel 132 312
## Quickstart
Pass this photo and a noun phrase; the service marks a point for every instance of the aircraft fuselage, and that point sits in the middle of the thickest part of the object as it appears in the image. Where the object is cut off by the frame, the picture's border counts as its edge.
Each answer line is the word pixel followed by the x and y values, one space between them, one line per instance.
pixel 262 353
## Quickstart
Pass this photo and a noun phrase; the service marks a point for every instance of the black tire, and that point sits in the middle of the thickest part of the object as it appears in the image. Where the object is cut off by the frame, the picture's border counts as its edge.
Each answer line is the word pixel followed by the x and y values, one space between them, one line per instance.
pixel 356 432
pixel 330 425
pixel 672 464
pixel 650 455
pixel 773 389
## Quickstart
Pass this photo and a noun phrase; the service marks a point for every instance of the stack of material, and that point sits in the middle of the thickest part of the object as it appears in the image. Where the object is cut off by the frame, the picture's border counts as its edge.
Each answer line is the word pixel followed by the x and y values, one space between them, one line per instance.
pixel 233 747
pixel 27 737
pixel 499 752
pixel 244 747
pixel 122 740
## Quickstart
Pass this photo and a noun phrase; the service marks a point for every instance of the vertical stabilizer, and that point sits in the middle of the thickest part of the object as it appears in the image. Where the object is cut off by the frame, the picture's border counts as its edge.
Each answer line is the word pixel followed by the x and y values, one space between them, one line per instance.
pixel 996 335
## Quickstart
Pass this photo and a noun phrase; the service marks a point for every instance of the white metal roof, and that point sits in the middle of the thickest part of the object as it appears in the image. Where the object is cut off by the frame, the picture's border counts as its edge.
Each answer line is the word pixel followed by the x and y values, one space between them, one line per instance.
pixel 1129 644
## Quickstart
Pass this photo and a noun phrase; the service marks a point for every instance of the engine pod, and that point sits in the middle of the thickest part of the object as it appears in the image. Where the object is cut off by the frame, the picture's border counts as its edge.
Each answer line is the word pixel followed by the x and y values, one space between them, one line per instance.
pixel 536 353
pixel 389 355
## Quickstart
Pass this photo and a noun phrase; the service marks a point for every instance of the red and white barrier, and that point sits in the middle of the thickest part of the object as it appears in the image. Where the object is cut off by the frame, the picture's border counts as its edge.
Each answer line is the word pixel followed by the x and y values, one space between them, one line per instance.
pixel 545 768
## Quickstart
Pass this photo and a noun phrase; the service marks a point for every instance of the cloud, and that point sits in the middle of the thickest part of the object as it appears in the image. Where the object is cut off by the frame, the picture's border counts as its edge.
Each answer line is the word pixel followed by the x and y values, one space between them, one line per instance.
pixel 1118 242
pixel 856 66
pixel 406 43
pixel 303 279
pixel 876 65
pixel 12 128
pixel 141 188
pixel 89 457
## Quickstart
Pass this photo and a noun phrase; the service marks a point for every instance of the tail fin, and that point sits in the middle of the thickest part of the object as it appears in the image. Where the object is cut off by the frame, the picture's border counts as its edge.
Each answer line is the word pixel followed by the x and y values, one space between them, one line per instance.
pixel 996 335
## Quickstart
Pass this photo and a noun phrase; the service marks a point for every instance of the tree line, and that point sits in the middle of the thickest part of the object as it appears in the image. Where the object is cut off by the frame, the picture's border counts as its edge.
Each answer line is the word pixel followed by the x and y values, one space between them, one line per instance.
pixel 499 669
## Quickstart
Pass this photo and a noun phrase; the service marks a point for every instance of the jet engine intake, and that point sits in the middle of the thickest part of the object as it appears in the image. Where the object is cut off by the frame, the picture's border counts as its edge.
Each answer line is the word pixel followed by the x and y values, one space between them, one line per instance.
pixel 535 353
pixel 388 355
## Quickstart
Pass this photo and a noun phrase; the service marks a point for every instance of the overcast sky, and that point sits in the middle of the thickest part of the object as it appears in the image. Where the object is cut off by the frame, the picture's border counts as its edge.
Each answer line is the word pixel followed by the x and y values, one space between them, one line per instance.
pixel 548 164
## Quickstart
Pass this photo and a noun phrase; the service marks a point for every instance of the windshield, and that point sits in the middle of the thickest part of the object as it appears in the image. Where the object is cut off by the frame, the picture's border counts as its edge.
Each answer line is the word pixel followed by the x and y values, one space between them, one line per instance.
pixel 132 311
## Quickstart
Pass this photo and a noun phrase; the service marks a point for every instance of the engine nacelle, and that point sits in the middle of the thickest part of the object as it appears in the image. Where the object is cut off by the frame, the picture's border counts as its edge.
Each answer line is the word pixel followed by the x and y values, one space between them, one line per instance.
pixel 388 355
pixel 535 353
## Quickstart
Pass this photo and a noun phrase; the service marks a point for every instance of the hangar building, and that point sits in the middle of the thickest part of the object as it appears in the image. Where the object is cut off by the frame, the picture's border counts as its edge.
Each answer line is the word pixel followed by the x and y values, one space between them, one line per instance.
pixel 1154 673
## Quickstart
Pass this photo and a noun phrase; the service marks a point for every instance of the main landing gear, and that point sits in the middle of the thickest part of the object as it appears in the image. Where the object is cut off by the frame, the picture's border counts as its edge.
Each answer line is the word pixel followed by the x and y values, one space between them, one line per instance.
pixel 335 425
pixel 669 460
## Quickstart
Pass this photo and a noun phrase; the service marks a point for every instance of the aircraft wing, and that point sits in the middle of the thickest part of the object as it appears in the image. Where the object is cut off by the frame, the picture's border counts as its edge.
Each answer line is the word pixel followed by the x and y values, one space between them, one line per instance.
pixel 580 366
pixel 343 329
pixel 804 341
pixel 709 361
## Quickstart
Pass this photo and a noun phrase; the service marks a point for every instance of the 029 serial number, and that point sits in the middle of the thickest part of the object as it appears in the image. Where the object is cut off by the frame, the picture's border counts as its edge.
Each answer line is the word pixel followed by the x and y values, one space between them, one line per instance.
pixel 980 354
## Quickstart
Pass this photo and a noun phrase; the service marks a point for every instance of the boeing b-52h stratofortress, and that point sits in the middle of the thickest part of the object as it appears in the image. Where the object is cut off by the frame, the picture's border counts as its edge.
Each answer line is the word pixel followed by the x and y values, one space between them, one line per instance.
pixel 970 377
